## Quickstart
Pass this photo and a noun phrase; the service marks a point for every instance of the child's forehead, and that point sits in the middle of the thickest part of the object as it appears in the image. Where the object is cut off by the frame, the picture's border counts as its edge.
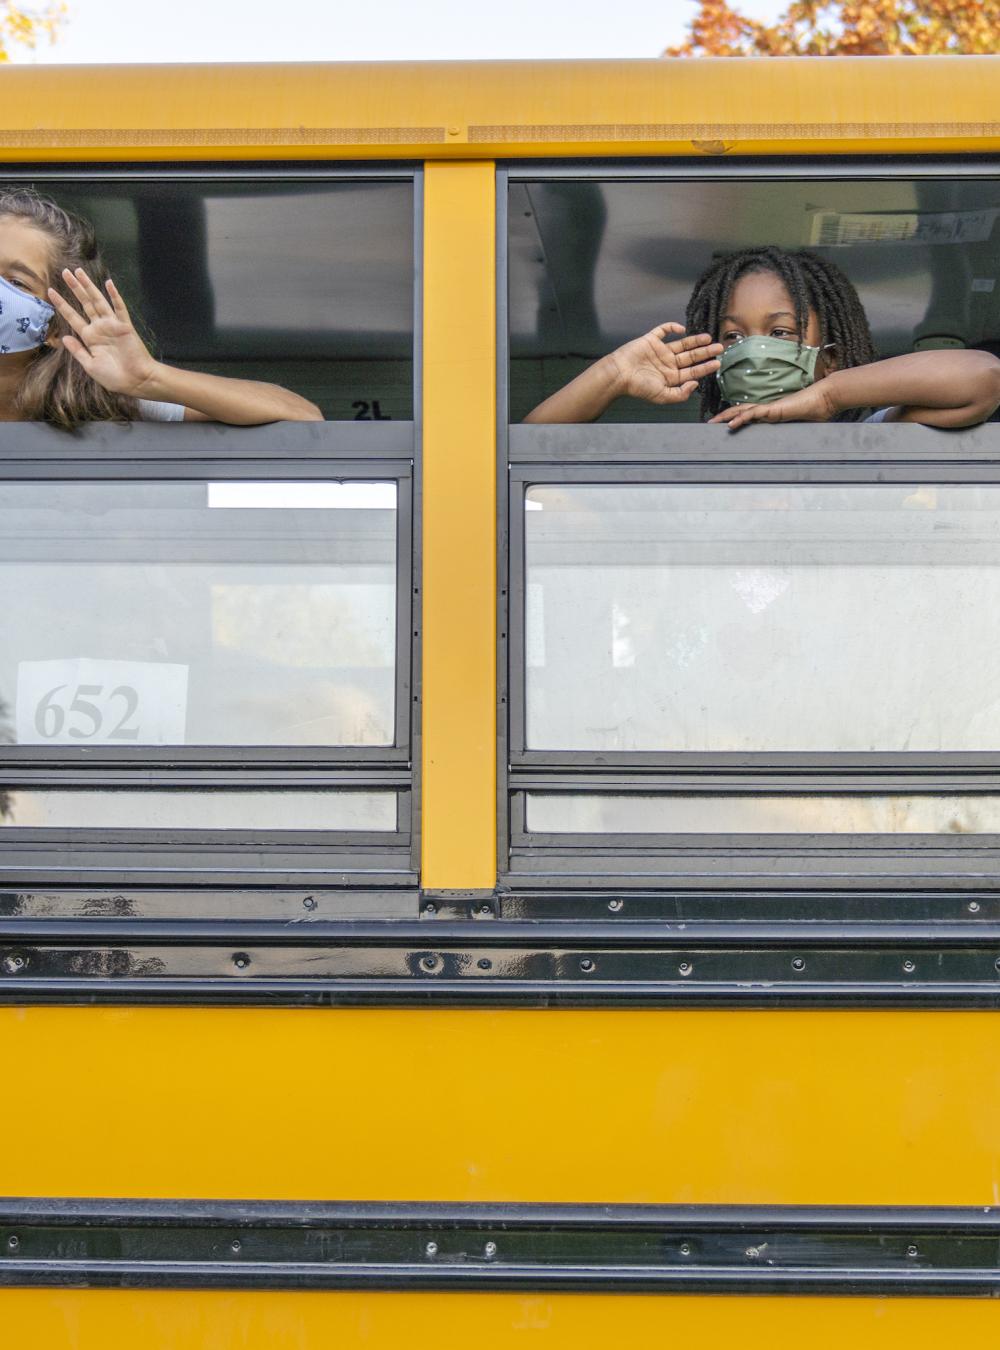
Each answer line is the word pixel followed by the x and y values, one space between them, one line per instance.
pixel 23 241
pixel 760 288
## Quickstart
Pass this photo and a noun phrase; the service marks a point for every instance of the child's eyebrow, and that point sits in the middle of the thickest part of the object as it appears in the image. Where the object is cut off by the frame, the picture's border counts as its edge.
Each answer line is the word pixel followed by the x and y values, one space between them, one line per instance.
pixel 16 266
pixel 778 314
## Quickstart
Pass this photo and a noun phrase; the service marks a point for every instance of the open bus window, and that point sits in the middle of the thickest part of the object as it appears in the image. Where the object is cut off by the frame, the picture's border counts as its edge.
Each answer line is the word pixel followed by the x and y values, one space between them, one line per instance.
pixel 306 283
pixel 593 264
pixel 200 613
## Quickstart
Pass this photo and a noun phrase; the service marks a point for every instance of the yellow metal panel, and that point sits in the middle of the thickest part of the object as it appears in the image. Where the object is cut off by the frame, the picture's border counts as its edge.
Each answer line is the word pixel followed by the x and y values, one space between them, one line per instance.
pixel 111 1320
pixel 891 1108
pixel 867 105
pixel 459 548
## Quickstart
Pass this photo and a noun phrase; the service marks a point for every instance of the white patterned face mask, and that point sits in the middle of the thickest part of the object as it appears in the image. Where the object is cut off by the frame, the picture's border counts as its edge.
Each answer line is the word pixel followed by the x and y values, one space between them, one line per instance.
pixel 24 319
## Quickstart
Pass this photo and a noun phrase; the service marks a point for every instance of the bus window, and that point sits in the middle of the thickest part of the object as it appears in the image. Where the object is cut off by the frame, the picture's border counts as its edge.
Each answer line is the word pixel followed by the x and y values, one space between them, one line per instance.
pixel 760 618
pixel 760 814
pixel 303 281
pixel 275 812
pixel 203 613
pixel 593 263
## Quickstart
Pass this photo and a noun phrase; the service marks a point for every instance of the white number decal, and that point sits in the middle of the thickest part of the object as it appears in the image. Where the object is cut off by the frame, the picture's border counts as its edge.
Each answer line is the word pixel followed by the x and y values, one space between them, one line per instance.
pixel 104 702
pixel 50 716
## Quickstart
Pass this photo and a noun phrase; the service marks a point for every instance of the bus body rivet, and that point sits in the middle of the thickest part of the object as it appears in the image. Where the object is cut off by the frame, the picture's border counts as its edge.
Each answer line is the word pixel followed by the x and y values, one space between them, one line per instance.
pixel 309 902
pixel 586 964
pixel 13 963
pixel 485 909
pixel 491 1249
pixel 241 960
pixel 798 964
pixel 997 963
pixel 431 1249
pixel 430 907
pixel 909 967
pixel 753 1252
pixel 911 1250
pixel 13 1242
pixel 685 967
pixel 973 906
pixel 236 1244
pixel 685 1249
pixel 484 963
pixel 614 906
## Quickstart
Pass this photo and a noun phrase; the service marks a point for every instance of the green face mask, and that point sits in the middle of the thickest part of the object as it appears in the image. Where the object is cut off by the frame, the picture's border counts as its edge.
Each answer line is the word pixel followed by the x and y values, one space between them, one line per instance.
pixel 761 369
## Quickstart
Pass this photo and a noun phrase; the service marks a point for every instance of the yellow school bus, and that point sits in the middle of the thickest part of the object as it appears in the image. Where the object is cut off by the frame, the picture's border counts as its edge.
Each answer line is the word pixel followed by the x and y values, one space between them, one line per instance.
pixel 464 880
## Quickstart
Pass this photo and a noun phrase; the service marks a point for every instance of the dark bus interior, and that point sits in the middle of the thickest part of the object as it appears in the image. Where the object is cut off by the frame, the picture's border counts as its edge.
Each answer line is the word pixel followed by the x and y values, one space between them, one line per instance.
pixel 309 282
pixel 594 263
pixel 305 283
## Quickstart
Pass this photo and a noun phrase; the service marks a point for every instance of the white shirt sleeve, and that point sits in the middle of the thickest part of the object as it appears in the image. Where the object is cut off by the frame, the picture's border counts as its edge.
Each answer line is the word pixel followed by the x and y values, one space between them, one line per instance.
pixel 151 411
pixel 879 416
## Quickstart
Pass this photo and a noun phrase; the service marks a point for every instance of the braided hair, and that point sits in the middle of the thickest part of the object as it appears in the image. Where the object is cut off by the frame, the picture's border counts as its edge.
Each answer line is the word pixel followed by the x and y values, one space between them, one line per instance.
pixel 812 282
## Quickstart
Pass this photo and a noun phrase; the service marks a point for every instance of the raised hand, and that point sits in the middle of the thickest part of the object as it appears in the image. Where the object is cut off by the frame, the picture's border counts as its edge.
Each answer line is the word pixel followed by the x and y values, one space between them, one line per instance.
pixel 661 371
pixel 104 340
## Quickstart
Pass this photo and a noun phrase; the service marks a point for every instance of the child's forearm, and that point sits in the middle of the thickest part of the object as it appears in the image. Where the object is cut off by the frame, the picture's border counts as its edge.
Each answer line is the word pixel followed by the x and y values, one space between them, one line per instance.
pixel 584 398
pixel 942 388
pixel 238 402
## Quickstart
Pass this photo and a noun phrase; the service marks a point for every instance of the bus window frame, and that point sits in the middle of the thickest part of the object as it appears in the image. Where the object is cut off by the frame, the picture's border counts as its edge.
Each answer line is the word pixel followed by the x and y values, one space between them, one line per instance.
pixel 144 452
pixel 536 454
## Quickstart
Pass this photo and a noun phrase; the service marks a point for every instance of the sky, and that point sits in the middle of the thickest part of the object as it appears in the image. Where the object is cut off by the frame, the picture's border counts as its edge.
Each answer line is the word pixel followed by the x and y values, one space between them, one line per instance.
pixel 381 30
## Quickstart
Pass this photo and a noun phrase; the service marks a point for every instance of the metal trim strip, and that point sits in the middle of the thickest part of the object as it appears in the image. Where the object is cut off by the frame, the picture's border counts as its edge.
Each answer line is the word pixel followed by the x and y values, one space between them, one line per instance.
pixel 681 1249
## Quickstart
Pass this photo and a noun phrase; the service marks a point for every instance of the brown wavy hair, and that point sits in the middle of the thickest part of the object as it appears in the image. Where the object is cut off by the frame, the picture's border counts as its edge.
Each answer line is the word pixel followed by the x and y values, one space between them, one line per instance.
pixel 55 387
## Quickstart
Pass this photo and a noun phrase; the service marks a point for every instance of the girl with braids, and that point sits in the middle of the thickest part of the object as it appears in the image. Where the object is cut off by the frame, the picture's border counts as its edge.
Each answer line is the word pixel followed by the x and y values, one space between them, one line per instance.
pixel 72 355
pixel 778 336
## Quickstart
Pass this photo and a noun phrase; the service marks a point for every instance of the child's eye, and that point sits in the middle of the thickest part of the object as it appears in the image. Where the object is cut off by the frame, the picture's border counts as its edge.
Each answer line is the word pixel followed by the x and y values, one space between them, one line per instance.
pixel 731 336
pixel 16 281
pixel 784 333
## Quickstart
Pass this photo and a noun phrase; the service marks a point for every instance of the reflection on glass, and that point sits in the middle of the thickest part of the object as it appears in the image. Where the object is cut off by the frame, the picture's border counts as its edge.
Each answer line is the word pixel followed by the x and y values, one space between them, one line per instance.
pixel 710 813
pixel 168 614
pixel 125 809
pixel 758 618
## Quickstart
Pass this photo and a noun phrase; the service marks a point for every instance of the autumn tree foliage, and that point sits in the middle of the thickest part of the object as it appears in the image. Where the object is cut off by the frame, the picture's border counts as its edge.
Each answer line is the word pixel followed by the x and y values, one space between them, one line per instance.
pixel 27 27
pixel 847 28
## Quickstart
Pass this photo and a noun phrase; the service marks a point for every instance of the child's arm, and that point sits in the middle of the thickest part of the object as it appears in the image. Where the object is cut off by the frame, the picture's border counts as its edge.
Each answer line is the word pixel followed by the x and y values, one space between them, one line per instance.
pixel 219 398
pixel 648 367
pixel 939 389
pixel 106 345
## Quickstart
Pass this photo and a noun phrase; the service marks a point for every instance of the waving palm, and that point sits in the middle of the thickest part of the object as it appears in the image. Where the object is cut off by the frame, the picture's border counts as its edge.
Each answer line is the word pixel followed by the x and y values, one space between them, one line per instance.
pixel 659 371
pixel 104 340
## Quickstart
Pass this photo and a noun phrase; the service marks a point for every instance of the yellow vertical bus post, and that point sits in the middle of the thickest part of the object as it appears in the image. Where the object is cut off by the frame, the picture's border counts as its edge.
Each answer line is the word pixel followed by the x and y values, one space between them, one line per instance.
pixel 210 1160
pixel 458 845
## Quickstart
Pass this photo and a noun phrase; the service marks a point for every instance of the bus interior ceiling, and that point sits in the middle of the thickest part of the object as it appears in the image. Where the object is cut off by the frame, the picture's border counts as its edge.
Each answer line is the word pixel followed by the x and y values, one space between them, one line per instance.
pixel 305 283
pixel 593 264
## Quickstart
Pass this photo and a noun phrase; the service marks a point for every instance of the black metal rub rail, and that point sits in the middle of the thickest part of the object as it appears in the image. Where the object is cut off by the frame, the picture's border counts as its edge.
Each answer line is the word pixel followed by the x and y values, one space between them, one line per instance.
pixel 508 965
pixel 613 1248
